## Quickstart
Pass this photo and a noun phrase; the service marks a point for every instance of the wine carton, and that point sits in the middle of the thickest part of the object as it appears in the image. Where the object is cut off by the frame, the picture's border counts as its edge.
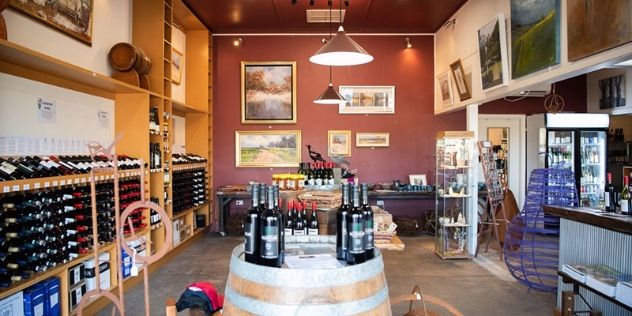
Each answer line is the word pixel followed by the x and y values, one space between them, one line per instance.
pixel 126 262
pixel 76 274
pixel 34 299
pixel 75 293
pixel 104 272
pixel 53 308
pixel 13 304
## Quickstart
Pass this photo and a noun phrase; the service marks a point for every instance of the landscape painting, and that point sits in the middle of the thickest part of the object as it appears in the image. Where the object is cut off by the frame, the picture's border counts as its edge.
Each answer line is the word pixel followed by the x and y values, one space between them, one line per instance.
pixel 535 36
pixel 268 92
pixel 492 49
pixel 594 27
pixel 268 148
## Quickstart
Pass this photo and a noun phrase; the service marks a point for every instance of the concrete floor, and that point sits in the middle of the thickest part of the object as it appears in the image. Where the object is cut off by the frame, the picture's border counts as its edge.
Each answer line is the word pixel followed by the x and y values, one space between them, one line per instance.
pixel 480 286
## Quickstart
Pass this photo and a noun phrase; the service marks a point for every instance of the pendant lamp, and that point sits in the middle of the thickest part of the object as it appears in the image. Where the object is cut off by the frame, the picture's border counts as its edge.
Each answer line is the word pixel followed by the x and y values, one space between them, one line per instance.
pixel 341 50
pixel 330 95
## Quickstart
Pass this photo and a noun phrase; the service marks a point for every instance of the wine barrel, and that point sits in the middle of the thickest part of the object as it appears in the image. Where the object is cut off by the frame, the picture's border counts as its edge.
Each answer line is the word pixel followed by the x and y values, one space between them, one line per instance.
pixel 351 290
pixel 143 63
pixel 124 56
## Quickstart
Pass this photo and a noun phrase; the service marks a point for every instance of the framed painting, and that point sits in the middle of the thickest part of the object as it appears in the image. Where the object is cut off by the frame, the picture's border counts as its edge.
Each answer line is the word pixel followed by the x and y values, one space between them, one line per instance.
pixel 462 87
pixel 535 36
pixel 268 92
pixel 610 22
pixel 177 62
pixel 417 179
pixel 339 143
pixel 267 148
pixel 612 92
pixel 372 139
pixel 367 100
pixel 445 89
pixel 492 49
pixel 72 17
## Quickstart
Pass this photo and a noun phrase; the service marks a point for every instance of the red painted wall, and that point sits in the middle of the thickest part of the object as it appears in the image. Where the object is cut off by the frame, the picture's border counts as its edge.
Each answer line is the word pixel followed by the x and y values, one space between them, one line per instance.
pixel 412 128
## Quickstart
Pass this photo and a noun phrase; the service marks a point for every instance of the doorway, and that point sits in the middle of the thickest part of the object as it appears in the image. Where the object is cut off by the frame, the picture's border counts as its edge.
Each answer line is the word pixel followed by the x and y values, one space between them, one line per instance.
pixel 507 132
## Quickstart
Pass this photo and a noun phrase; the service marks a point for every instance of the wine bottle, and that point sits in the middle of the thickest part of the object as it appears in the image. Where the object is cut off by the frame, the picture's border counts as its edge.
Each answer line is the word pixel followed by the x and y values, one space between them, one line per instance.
pixel 270 234
pixel 609 199
pixel 368 222
pixel 626 197
pixel 262 197
pixel 277 207
pixel 289 219
pixel 312 229
pixel 303 210
pixel 341 224
pixel 299 224
pixel 355 228
pixel 251 230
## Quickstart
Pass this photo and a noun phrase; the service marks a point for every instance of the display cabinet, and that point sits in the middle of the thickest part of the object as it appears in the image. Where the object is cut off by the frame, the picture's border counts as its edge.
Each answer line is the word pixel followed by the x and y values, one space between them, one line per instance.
pixel 454 165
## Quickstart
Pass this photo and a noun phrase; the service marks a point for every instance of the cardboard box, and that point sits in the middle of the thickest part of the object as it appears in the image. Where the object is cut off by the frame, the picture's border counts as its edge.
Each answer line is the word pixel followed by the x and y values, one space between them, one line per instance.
pixel 176 232
pixel 126 263
pixel 105 272
pixel 51 300
pixel 12 305
pixel 76 274
pixel 75 293
pixel 34 299
pixel 326 221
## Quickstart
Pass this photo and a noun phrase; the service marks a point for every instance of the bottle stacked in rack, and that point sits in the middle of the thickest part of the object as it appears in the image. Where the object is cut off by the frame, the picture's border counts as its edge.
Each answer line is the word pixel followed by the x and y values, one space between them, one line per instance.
pixel 189 182
pixel 155 220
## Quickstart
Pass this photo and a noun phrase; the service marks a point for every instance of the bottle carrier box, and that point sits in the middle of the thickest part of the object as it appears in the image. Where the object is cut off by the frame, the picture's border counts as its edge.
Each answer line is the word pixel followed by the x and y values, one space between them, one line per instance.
pixel 105 272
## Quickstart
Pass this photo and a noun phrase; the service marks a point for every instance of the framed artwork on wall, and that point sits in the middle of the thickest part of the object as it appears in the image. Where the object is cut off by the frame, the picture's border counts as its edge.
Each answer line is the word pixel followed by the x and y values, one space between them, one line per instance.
pixel 417 179
pixel 367 100
pixel 339 143
pixel 73 18
pixel 267 148
pixel 177 62
pixel 462 87
pixel 492 49
pixel 445 89
pixel 372 139
pixel 268 92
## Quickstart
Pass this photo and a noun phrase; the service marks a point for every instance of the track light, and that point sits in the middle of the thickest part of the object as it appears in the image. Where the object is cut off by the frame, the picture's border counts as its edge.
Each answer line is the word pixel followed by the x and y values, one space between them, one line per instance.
pixel 448 23
pixel 408 44
pixel 324 40
pixel 346 3
pixel 329 3
pixel 311 2
pixel 294 1
pixel 238 42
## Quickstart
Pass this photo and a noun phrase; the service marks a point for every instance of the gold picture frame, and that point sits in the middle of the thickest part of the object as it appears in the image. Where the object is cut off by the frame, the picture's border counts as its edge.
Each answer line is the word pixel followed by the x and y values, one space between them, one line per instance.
pixel 177 63
pixel 268 92
pixel 267 148
pixel 460 80
pixel 373 139
pixel 339 143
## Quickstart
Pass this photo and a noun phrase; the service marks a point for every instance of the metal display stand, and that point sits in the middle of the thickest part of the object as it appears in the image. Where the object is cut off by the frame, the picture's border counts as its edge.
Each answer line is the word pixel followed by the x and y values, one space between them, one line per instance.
pixel 495 197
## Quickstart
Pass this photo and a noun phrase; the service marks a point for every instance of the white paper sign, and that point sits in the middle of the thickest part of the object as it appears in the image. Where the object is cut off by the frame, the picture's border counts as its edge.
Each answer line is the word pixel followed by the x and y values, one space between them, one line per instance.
pixel 46 110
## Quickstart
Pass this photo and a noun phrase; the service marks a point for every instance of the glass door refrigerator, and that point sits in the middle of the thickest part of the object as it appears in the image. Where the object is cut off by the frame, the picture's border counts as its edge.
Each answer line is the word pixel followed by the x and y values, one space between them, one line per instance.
pixel 575 141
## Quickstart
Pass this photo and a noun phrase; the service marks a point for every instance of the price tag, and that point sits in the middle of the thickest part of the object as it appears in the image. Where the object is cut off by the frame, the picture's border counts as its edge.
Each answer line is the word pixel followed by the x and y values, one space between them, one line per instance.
pixel 62 182
pixel 76 180
pixel 26 187
pixel 55 183
pixel 5 189
pixel 16 188
pixel 83 180
pixel 127 174
pixel 36 185
pixel 102 177
pixel 46 184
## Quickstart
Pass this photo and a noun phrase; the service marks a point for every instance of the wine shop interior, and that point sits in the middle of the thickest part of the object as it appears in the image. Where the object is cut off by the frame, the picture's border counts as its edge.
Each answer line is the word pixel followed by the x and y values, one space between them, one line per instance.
pixel 284 157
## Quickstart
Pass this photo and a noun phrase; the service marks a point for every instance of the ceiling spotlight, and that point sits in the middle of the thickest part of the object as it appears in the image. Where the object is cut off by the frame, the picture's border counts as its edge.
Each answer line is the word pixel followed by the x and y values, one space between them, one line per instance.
pixel 238 42
pixel 311 2
pixel 324 40
pixel 329 3
pixel 408 44
pixel 449 22
pixel 346 3
pixel 294 1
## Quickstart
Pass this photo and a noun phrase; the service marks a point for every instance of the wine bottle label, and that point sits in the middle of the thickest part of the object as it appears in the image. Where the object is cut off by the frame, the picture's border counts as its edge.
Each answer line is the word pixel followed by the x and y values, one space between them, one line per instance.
pixel 288 231
pixel 344 235
pixel 624 206
pixel 356 239
pixel 312 231
pixel 270 243
pixel 299 232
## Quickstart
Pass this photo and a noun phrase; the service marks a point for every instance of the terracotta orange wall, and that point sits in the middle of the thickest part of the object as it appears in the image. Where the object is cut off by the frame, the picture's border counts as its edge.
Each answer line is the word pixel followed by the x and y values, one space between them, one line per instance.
pixel 412 128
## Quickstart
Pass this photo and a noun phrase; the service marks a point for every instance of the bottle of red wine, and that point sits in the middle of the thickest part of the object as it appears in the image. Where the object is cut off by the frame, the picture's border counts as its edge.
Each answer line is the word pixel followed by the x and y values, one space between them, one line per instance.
pixel 312 229
pixel 368 222
pixel 341 224
pixel 251 230
pixel 355 229
pixel 609 196
pixel 270 229
pixel 299 224
pixel 289 219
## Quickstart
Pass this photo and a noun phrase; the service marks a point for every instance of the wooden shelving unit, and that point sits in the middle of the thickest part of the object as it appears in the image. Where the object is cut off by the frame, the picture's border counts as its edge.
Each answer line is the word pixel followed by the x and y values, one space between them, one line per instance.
pixel 153 23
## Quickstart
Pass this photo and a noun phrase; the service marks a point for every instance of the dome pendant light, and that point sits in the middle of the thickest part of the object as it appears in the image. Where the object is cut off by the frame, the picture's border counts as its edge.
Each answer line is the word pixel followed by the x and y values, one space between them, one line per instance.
pixel 341 50
pixel 330 95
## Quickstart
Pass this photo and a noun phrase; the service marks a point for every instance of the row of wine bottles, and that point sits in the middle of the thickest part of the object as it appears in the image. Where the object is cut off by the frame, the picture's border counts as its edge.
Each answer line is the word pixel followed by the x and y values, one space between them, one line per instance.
pixel 18 168
pixel 623 200
pixel 265 228
pixel 189 189
pixel 39 230
pixel 317 173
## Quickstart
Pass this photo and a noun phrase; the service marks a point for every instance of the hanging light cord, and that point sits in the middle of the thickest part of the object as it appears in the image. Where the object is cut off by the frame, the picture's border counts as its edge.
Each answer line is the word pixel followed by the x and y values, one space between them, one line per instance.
pixel 330 78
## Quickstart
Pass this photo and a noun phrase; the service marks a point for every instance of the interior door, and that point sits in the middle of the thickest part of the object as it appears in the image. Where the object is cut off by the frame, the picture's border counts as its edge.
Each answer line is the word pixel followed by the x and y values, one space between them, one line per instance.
pixel 516 148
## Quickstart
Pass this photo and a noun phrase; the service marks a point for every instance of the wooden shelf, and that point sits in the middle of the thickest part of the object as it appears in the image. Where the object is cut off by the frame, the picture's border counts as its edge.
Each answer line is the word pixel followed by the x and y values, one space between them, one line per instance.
pixel 576 285
pixel 56 182
pixel 191 210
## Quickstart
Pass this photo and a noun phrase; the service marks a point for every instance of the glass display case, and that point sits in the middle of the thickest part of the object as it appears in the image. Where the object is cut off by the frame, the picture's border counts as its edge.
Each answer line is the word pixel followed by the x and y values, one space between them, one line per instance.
pixel 454 180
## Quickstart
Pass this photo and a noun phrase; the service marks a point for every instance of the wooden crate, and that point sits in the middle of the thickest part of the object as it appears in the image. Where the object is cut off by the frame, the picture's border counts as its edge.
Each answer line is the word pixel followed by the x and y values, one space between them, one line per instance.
pixel 326 221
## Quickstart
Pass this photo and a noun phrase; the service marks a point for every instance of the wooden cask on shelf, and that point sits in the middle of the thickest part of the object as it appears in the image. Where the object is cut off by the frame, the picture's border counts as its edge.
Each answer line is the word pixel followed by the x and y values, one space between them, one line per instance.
pixel 351 290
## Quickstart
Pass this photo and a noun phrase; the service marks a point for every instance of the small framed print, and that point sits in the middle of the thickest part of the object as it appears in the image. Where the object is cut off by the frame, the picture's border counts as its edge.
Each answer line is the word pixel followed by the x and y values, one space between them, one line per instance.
pixel 462 86
pixel 339 143
pixel 372 139
pixel 367 100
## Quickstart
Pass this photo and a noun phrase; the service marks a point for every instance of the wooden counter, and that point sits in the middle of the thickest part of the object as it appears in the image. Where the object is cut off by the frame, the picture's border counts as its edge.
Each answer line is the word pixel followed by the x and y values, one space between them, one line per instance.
pixel 594 216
